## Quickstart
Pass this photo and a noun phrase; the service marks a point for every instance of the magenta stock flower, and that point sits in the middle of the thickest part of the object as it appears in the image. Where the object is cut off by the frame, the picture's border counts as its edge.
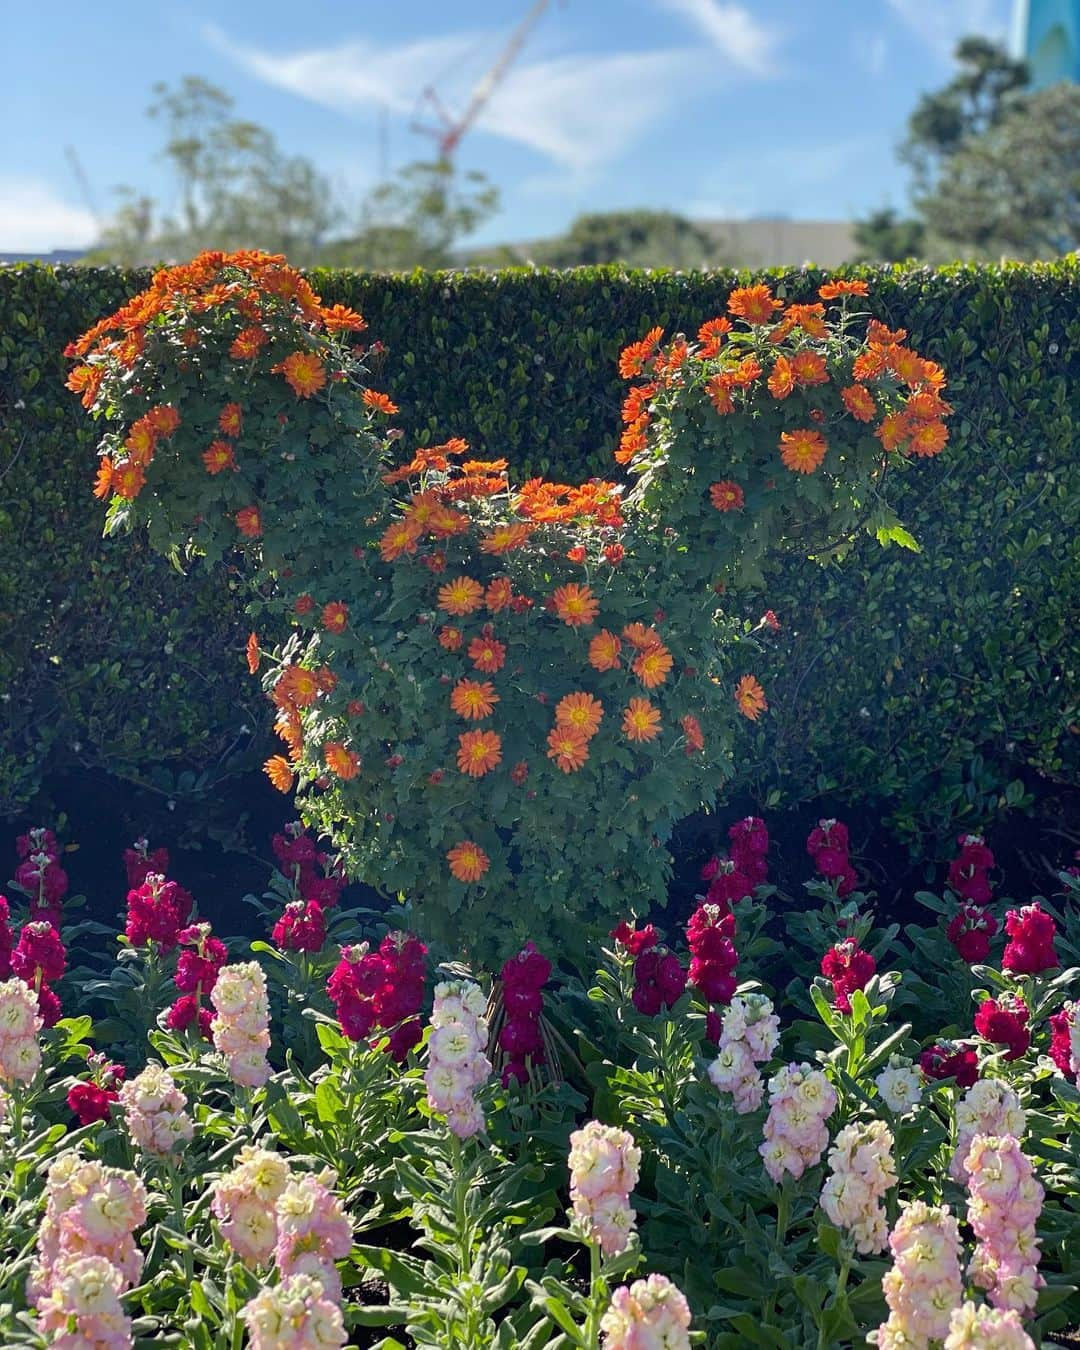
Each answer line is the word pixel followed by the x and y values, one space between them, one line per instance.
pixel 635 940
pixel 970 932
pixel 140 861
pixel 713 957
pixel 947 1059
pixel 301 927
pixel 849 967
pixel 969 870
pixel 523 978
pixel 1065 1040
pixel 828 844
pixel 90 1099
pixel 1004 1020
pixel 659 980
pixel 1030 949
pixel 157 911
pixel 383 989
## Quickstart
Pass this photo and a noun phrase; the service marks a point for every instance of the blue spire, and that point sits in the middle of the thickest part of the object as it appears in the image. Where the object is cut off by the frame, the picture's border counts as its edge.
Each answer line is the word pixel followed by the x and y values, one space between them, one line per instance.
pixel 1046 33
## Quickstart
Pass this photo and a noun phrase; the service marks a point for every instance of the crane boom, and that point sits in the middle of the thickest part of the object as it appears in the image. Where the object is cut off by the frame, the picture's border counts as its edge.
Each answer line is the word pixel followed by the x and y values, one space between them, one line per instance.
pixel 454 128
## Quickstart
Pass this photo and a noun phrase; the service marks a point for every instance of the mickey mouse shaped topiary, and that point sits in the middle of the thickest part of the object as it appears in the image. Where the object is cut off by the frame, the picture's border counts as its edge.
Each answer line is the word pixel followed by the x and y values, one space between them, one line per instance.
pixel 498 700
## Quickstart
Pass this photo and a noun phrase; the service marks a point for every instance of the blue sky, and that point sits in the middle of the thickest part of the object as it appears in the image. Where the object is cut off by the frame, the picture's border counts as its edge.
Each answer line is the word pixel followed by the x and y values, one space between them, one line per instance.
pixel 714 108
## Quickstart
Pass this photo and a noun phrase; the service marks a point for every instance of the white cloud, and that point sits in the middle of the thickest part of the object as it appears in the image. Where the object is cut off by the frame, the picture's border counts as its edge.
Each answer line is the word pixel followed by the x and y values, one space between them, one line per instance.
pixel 941 25
pixel 733 30
pixel 580 111
pixel 35 219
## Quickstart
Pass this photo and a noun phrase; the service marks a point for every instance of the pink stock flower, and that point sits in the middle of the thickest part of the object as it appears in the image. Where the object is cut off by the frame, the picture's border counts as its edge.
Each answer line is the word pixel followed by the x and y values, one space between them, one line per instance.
pixel 20 1022
pixel 649 1313
pixel 801 1099
pixel 244 1200
pixel 1004 1204
pixel 925 1284
pixel 241 1027
pixel 312 1231
pixel 991 1107
pixel 155 1111
pixel 604 1167
pixel 457 1064
pixel 298 1314
pixel 862 1169
pixel 749 1035
pixel 980 1328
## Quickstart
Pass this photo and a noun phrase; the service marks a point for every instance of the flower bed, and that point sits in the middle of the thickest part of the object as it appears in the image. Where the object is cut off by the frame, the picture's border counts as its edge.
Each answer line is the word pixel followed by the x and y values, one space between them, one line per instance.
pixel 794 1127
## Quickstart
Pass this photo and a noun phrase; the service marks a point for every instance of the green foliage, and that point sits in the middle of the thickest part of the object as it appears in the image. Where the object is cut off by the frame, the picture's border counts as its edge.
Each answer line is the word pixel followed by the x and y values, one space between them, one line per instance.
pixel 633 238
pixel 892 672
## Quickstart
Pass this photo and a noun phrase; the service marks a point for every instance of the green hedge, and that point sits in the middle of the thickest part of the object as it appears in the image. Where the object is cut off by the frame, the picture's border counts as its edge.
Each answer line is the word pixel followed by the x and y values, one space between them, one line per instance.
pixel 893 674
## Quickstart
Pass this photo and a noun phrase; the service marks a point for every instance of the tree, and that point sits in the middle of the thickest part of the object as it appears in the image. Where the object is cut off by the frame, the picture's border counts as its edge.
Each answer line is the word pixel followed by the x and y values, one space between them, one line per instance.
pixel 416 219
pixel 989 86
pixel 1014 189
pixel 636 238
pixel 235 187
pixel 884 236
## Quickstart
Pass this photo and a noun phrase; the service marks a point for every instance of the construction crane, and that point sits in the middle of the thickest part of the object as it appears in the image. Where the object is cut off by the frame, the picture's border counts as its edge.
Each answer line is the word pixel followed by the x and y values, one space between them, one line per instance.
pixel 450 133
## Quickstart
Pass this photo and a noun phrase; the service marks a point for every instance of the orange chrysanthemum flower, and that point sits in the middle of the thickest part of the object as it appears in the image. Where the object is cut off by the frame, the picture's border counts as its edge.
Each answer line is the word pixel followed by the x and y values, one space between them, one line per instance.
pixel 399 537
pixel 927 406
pixel 252 651
pixel 604 651
pixel 810 318
pixel 692 731
pixel 809 368
pixel 906 364
pixel 641 636
pixel 499 595
pixel 802 451
pixel 304 604
pixel 750 698
pixel 103 481
pixel 461 596
pixel 219 457
pixel 637 401
pixel 632 358
pixel 163 420
pixel 641 721
pixel 634 440
pixel 249 522
pixel 128 480
pixel 473 699
pixel 335 616
pixel 450 639
pixel 140 441
pixel 231 420
pixel 614 554
pixel 782 379
pixel 929 438
pixel 478 752
pixel 304 373
pixel 893 430
pixel 297 687
pixel 652 665
pixel 754 304
pixel 340 319
pixel 868 365
pixel 580 711
pixel 505 538
pixel 711 336
pixel 278 771
pixel 487 655
pixel 247 343
pixel 727 496
pixel 832 290
pixel 719 391
pixel 575 605
pixel 326 680
pixel 468 861
pixel 341 762
pixel 859 402
pixel 380 402
pixel 568 747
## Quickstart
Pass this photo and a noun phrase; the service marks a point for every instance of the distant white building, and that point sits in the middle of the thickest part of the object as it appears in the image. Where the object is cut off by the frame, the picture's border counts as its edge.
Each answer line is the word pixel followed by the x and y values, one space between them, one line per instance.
pixel 782 243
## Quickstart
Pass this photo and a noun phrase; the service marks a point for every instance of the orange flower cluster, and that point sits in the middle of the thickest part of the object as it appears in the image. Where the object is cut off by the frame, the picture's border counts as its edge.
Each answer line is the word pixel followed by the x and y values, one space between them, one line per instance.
pixel 255 289
pixel 734 361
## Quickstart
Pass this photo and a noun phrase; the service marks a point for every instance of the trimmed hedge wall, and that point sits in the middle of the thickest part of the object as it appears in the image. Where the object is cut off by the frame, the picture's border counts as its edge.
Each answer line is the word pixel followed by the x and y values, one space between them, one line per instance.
pixel 894 673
